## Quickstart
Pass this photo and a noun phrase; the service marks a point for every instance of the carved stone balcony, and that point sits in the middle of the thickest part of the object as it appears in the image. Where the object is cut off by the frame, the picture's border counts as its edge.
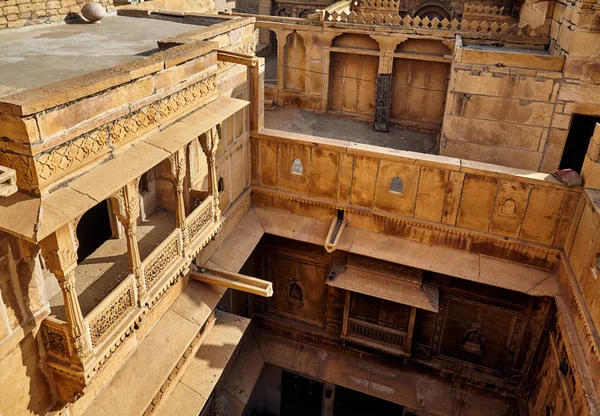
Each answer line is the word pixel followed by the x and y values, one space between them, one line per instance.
pixel 110 300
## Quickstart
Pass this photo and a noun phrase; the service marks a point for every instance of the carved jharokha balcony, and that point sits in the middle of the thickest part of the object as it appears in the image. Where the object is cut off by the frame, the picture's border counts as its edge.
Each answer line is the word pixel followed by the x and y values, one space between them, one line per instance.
pixel 110 300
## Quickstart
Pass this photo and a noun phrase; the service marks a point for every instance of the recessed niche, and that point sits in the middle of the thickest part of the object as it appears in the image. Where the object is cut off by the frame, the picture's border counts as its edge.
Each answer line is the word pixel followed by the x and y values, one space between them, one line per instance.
pixel 297 167
pixel 509 207
pixel 295 291
pixel 396 185
pixel 220 185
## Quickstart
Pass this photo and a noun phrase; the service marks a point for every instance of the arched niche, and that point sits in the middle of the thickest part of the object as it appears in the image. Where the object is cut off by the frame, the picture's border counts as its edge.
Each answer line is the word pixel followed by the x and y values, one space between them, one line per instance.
pixel 295 62
pixel 355 41
pixel 424 46
pixel 93 229
pixel 432 10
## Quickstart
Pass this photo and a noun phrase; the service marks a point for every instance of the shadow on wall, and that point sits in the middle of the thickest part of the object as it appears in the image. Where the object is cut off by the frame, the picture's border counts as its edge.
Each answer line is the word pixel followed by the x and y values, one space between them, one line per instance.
pixel 25 388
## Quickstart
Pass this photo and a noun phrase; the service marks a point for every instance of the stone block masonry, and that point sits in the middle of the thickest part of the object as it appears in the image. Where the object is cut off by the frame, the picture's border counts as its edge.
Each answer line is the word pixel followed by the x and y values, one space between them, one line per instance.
pixel 18 13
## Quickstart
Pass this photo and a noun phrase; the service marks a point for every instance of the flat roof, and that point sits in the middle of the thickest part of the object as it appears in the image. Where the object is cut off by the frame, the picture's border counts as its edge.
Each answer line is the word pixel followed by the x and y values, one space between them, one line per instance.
pixel 44 54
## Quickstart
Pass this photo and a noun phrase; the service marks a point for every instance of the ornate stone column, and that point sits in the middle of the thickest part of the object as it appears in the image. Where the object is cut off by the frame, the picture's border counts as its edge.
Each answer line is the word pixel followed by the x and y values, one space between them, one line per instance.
pixel 177 176
pixel 209 142
pixel 60 256
pixel 126 207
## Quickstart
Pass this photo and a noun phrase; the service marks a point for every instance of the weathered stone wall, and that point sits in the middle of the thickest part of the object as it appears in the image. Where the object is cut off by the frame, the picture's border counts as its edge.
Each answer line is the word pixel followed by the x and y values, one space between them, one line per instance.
pixel 500 107
pixel 441 198
pixel 23 382
pixel 195 6
pixel 17 13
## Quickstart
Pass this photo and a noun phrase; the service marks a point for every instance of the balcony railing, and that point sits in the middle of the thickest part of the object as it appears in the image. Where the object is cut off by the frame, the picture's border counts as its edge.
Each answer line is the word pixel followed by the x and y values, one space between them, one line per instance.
pixel 162 259
pixel 112 311
pixel 377 337
pixel 106 323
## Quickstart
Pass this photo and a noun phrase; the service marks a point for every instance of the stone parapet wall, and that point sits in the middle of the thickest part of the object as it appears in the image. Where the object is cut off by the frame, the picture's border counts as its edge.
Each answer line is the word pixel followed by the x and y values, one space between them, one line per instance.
pixel 23 304
pixel 54 132
pixel 446 201
pixel 18 13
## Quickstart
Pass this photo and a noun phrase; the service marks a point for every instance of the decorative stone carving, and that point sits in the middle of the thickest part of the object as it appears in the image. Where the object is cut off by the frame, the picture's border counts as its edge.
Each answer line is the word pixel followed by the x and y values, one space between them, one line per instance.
pixel 159 262
pixel 72 154
pixel 182 99
pixel 57 162
pixel 93 12
pixel 110 317
pixel 210 142
pixel 127 211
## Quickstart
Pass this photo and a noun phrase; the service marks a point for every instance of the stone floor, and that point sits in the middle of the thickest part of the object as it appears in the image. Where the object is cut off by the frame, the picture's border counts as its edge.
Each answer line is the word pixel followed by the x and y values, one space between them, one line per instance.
pixel 325 125
pixel 103 270
pixel 33 57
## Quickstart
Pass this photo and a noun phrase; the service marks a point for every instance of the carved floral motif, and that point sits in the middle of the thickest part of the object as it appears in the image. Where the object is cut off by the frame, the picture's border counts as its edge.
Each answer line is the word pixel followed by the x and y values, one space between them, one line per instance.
pixel 75 152
pixel 84 148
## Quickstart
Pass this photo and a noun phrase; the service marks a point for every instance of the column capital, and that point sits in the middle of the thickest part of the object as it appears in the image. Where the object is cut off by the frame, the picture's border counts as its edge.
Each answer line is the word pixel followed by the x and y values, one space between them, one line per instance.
pixel 59 251
pixel 210 142
pixel 127 208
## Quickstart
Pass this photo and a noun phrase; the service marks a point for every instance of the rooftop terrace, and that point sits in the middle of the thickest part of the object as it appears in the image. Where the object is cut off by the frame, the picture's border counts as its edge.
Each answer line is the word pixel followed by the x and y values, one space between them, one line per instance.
pixel 35 57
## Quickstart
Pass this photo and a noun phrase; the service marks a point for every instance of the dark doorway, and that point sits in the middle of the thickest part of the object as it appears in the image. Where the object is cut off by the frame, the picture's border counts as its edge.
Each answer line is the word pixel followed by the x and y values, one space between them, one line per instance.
pixel 578 140
pixel 93 230
pixel 353 403
pixel 300 396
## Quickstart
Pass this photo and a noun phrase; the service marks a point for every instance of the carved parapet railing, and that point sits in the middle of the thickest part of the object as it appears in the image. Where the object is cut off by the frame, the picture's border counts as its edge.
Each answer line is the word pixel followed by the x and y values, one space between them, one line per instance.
pixel 200 220
pixel 158 264
pixel 197 197
pixel 487 13
pixel 480 9
pixel 339 7
pixel 375 5
pixel 56 339
pixel 408 22
pixel 105 318
pixel 377 337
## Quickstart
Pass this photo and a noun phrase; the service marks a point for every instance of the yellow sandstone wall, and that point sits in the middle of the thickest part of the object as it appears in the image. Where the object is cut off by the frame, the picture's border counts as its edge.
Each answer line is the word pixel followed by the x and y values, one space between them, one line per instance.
pixel 500 107
pixel 17 13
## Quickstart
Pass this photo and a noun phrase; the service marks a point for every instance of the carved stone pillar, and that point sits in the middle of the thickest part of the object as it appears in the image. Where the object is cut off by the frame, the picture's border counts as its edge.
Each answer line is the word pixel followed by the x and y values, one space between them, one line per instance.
pixel 60 256
pixel 127 211
pixel 177 176
pixel 209 143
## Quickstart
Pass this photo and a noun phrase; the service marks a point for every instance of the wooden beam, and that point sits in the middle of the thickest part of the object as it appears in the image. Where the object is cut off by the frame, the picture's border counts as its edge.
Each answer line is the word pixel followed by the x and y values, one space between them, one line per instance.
pixel 234 281
pixel 237 58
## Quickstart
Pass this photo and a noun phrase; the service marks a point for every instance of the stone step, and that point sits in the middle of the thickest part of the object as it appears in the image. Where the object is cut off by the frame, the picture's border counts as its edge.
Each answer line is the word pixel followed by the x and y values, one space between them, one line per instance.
pixel 191 393
pixel 270 105
pixel 161 357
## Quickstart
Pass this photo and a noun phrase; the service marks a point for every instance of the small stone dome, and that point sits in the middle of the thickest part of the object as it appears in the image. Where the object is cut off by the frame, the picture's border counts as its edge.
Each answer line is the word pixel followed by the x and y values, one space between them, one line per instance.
pixel 93 12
